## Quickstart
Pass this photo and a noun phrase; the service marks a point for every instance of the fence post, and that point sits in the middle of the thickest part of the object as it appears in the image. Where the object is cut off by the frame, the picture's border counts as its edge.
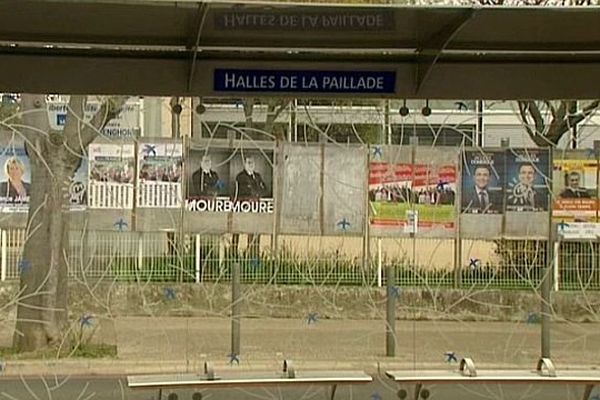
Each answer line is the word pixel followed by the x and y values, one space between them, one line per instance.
pixel 235 309
pixel 140 248
pixel 546 308
pixel 390 326
pixel 4 261
pixel 556 265
pixel 457 281
pixel 379 263
pixel 197 258
pixel 458 256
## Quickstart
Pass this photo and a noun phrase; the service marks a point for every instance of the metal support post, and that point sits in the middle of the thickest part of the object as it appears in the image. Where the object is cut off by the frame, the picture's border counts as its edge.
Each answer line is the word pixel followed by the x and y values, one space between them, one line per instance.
pixel 390 327
pixel 235 309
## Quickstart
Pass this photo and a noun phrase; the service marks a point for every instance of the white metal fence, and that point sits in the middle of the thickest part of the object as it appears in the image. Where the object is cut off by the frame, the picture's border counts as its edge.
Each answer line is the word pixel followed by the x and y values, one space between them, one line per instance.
pixel 159 195
pixel 170 257
pixel 110 195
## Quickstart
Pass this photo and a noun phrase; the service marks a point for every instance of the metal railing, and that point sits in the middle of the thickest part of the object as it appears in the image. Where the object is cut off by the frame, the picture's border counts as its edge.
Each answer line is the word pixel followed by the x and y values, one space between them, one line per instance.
pixel 171 257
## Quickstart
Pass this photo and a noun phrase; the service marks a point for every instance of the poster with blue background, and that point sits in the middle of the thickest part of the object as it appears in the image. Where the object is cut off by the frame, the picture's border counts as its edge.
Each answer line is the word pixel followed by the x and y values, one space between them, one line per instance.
pixel 528 180
pixel 483 179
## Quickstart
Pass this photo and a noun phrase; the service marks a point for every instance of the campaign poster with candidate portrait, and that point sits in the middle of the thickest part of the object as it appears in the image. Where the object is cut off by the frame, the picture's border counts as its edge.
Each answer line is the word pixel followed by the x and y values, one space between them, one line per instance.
pixel 78 187
pixel 207 173
pixel 15 181
pixel 252 172
pixel 230 180
pixel 528 180
pixel 15 185
pixel 400 191
pixel 482 186
pixel 160 168
pixel 575 190
pixel 111 175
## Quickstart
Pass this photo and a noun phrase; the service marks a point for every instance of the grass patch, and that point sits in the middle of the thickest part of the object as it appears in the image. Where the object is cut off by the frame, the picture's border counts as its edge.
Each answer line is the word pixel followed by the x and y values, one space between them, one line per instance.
pixel 83 351
pixel 95 351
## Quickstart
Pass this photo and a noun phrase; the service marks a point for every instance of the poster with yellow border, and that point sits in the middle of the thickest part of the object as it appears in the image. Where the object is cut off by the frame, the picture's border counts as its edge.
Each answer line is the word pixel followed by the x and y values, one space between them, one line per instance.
pixel 575 190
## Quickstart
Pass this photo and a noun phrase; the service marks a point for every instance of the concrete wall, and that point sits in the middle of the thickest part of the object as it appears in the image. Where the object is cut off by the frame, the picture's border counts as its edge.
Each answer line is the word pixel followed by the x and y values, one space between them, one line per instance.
pixel 330 302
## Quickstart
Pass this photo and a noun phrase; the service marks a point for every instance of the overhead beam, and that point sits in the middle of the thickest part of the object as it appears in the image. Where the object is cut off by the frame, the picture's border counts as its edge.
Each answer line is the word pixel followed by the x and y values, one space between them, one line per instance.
pixel 172 23
pixel 435 45
pixel 169 77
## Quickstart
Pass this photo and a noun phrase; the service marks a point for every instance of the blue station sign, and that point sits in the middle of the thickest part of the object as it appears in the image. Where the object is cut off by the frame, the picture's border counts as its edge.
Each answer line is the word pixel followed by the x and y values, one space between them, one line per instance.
pixel 303 81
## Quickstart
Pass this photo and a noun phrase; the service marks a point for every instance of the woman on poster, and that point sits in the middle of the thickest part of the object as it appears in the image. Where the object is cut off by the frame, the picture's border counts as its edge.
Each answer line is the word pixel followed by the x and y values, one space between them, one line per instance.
pixel 14 188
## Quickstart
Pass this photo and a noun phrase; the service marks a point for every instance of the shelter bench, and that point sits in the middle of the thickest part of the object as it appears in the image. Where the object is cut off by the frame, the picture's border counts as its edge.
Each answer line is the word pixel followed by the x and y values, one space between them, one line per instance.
pixel 545 372
pixel 209 380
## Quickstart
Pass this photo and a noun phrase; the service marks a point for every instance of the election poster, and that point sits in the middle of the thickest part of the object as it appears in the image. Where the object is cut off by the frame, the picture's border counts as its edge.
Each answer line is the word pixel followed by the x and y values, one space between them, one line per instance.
pixel 575 190
pixel 528 180
pixel 111 175
pixel 398 189
pixel 230 180
pixel 15 182
pixel 160 168
pixel 78 187
pixel 126 124
pixel 482 186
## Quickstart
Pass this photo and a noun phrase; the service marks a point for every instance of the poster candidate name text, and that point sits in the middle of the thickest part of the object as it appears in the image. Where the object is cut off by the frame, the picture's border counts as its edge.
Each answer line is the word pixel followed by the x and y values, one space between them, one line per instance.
pixel 262 206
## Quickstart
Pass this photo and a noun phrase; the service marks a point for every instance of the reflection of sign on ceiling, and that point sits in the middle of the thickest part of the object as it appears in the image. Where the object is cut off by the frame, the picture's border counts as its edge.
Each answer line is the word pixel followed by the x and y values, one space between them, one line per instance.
pixel 579 230
pixel 348 21
pixel 236 80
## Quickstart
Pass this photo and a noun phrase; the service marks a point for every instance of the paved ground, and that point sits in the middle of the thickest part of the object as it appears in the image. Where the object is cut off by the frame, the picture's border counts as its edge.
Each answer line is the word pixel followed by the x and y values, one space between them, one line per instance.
pixel 115 388
pixel 183 344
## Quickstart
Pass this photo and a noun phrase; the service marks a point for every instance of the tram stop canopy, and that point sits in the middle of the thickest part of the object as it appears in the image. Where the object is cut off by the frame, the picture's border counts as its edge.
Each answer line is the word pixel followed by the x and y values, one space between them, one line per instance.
pixel 223 48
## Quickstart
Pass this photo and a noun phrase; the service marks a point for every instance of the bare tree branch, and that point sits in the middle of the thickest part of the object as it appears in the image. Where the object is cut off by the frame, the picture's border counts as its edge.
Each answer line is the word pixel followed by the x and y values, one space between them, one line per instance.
pixel 559 124
pixel 550 107
pixel 34 117
pixel 538 119
pixel 78 134
pixel 525 111
pixel 275 108
pixel 248 111
pixel 561 112
pixel 586 112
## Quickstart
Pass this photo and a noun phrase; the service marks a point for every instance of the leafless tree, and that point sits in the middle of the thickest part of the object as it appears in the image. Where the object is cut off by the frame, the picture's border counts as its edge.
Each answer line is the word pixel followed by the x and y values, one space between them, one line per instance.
pixel 42 311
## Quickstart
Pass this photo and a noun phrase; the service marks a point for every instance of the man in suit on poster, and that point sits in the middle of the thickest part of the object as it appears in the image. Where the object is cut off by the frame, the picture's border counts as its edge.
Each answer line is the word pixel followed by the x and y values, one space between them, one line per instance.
pixel 249 183
pixel 481 199
pixel 573 190
pixel 523 193
pixel 205 180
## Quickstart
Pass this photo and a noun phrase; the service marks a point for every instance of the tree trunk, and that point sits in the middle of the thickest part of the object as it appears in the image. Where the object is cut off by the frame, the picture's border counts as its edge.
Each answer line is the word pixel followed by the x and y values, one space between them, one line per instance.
pixel 42 311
